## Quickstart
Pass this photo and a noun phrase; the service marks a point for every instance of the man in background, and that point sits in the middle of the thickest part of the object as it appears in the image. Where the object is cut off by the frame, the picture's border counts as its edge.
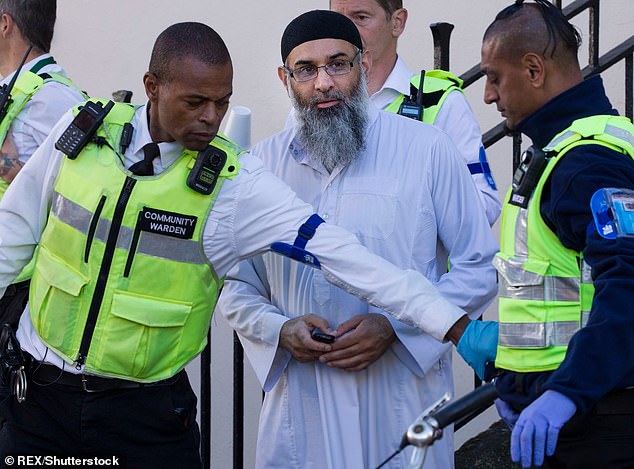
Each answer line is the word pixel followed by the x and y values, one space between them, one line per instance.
pixel 42 92
pixel 390 82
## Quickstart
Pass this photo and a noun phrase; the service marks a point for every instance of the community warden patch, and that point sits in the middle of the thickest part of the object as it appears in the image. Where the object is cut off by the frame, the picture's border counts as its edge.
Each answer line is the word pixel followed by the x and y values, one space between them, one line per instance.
pixel 172 224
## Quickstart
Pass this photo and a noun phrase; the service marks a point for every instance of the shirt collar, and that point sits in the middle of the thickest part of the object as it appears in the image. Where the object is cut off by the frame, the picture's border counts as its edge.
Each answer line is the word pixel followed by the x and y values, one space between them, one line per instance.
pixel 27 66
pixel 170 151
pixel 396 84
pixel 399 78
pixel 586 99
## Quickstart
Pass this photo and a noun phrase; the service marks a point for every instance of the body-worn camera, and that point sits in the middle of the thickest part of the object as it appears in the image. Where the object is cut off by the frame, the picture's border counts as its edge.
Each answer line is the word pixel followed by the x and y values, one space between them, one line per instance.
pixel 204 175
pixel 532 164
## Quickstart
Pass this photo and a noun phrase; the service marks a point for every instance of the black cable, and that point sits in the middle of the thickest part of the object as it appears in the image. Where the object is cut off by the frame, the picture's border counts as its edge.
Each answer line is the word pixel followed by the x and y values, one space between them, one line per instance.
pixel 389 458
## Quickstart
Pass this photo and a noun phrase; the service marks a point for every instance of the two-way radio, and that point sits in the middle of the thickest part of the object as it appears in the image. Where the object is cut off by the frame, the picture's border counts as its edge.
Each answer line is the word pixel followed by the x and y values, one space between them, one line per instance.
pixel 5 90
pixel 412 105
pixel 83 127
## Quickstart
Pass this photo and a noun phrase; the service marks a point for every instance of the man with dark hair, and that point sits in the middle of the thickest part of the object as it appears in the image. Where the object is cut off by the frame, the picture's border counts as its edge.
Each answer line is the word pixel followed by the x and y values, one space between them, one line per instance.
pixel 41 93
pixel 390 82
pixel 34 93
pixel 401 187
pixel 566 266
pixel 138 212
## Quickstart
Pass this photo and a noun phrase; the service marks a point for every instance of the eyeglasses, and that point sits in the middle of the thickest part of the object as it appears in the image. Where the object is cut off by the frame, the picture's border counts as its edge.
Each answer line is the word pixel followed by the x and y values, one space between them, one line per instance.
pixel 334 69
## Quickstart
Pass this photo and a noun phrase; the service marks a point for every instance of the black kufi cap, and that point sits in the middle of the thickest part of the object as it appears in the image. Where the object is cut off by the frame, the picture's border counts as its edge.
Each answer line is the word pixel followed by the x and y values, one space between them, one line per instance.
pixel 319 24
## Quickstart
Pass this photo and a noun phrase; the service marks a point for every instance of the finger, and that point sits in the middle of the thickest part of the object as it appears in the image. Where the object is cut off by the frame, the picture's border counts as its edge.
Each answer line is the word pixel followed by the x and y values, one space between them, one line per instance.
pixel 317 348
pixel 349 339
pixel 351 364
pixel 539 444
pixel 526 444
pixel 339 353
pixel 312 321
pixel 551 441
pixel 515 442
pixel 348 325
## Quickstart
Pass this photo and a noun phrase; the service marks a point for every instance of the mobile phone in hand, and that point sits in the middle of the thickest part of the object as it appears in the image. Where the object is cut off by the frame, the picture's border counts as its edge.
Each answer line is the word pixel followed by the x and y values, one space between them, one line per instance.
pixel 320 336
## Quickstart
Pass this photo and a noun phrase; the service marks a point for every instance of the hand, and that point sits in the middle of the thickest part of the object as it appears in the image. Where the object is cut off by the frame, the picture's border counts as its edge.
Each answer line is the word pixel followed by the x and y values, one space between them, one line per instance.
pixel 295 337
pixel 507 413
pixel 478 345
pixel 537 428
pixel 361 341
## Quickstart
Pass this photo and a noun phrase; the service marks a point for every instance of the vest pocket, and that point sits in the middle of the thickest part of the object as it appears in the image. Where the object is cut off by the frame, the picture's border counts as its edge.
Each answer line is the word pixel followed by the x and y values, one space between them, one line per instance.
pixel 142 337
pixel 55 302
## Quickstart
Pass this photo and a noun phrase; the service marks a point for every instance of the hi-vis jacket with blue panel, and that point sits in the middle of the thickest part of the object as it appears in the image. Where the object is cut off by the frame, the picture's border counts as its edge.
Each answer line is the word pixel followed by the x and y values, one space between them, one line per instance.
pixel 121 284
pixel 26 85
pixel 546 289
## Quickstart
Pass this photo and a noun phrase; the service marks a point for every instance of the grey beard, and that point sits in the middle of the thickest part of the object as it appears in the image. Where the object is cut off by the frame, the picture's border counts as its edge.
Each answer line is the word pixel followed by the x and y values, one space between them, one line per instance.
pixel 334 136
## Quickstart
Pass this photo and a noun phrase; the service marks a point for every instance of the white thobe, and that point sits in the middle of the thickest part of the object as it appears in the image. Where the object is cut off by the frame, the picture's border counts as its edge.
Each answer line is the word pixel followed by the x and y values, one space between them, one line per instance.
pixel 457 119
pixel 253 210
pixel 408 198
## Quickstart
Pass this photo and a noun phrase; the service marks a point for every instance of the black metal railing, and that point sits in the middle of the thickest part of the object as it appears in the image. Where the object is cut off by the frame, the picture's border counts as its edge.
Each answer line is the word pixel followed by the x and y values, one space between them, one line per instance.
pixel 441 33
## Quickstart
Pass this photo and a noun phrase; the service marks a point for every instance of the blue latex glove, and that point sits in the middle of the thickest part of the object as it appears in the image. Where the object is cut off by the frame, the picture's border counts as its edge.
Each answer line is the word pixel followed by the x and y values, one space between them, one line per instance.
pixel 537 428
pixel 478 345
pixel 507 413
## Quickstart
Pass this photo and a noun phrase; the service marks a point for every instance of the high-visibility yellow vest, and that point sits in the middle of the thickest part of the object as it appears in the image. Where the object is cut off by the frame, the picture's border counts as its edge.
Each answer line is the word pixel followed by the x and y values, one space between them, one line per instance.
pixel 436 87
pixel 26 85
pixel 545 288
pixel 121 283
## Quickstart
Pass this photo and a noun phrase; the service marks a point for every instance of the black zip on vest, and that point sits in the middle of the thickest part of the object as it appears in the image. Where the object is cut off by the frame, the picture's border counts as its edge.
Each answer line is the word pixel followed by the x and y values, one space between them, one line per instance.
pixel 104 271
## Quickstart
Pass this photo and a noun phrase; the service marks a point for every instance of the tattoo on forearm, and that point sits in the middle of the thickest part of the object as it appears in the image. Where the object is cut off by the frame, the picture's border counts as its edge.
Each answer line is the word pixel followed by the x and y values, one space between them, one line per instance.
pixel 9 166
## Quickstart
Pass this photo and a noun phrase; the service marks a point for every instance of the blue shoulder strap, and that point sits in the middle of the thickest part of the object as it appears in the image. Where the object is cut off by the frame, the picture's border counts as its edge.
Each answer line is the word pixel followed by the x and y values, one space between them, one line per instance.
pixel 296 251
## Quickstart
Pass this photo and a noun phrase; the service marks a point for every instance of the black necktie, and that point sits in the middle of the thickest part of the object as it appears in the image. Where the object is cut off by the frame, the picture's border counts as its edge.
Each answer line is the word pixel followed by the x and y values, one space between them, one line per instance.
pixel 145 167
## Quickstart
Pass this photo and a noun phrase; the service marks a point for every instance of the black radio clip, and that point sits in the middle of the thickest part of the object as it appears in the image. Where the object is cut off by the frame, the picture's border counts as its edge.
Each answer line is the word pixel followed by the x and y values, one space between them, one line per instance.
pixel 412 105
pixel 204 175
pixel 83 127
pixel 532 164
pixel 5 90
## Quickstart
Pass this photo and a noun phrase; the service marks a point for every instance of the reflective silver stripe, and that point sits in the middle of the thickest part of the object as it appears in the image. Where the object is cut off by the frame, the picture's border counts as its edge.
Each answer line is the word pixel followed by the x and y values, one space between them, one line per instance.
pixel 612 130
pixel 514 274
pixel 537 335
pixel 150 244
pixel 175 249
pixel 619 133
pixel 521 233
pixel 586 272
pixel 70 213
pixel 585 316
pixel 551 289
pixel 557 140
pixel 79 218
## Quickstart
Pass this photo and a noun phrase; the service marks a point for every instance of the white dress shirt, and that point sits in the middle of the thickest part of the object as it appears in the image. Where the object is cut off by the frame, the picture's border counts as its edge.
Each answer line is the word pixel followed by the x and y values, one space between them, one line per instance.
pixel 408 197
pixel 457 119
pixel 253 210
pixel 38 116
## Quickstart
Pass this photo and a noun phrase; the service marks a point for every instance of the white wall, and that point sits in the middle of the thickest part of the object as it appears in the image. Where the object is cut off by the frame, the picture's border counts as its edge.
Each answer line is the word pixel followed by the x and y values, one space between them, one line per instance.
pixel 105 46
